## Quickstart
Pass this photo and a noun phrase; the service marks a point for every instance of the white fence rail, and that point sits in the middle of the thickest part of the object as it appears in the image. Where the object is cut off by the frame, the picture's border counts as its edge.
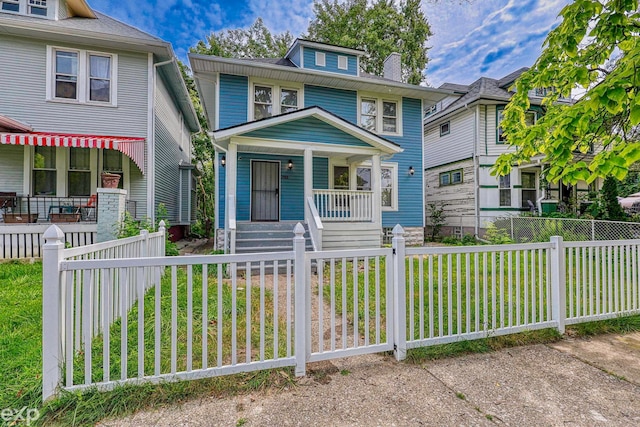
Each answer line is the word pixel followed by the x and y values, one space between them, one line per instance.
pixel 315 225
pixel 344 205
pixel 25 240
pixel 223 314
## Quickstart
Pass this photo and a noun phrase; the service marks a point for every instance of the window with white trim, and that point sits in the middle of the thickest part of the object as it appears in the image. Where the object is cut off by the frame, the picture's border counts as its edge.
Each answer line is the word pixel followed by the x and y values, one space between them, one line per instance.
pixel 112 163
pixel 343 62
pixel 528 192
pixel 271 99
pixel 380 115
pixel 82 76
pixel 25 7
pixel 445 128
pixel 262 102
pixel 530 118
pixel 505 190
pixel 44 171
pixel 388 184
pixel 79 173
pixel 320 59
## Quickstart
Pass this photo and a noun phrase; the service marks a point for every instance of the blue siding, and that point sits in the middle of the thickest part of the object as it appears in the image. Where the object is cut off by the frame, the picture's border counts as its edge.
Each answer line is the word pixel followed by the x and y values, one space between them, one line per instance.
pixel 308 129
pixel 342 103
pixel 331 61
pixel 410 209
pixel 233 100
pixel 295 56
pixel 320 173
pixel 291 185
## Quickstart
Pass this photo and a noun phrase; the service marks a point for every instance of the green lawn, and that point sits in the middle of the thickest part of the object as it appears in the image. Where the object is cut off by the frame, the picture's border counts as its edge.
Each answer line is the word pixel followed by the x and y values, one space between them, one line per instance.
pixel 21 330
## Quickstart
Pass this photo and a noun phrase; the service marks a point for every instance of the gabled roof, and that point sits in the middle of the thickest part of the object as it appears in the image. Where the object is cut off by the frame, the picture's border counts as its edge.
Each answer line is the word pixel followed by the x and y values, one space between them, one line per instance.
pixel 323 46
pixel 484 88
pixel 102 31
pixel 370 138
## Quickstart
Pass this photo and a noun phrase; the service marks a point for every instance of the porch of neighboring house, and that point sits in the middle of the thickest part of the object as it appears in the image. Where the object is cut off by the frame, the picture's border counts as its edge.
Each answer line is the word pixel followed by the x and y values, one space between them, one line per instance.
pixel 268 184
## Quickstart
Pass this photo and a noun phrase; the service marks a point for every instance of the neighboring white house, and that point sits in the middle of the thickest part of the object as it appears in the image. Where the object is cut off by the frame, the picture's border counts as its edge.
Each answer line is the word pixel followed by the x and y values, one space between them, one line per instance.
pixel 463 139
pixel 82 93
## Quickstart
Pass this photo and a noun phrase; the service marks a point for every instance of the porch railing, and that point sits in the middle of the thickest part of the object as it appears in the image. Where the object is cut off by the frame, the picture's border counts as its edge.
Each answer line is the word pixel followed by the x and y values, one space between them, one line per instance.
pixel 315 225
pixel 344 205
pixel 29 210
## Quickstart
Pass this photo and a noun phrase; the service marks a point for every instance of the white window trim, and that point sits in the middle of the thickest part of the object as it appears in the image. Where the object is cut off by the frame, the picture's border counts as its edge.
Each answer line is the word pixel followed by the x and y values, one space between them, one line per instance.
pixel 321 59
pixel 379 101
pixel 448 124
pixel 343 62
pixel 353 180
pixel 276 87
pixel 23 9
pixel 83 77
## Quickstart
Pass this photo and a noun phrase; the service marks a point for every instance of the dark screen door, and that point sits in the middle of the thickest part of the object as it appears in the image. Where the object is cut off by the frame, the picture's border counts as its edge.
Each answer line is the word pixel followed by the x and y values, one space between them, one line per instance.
pixel 265 194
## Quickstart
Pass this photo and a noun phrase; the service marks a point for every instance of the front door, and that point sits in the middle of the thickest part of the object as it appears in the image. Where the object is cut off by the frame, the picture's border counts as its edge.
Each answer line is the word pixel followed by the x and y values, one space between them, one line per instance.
pixel 265 191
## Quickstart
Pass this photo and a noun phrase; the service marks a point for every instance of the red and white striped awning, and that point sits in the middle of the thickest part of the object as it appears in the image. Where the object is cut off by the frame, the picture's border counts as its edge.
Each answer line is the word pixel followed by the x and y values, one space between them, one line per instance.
pixel 132 147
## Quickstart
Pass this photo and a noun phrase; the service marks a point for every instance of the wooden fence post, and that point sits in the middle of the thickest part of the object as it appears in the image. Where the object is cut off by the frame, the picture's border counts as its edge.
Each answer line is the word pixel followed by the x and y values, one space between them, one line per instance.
pixel 300 313
pixel 399 294
pixel 558 283
pixel 51 312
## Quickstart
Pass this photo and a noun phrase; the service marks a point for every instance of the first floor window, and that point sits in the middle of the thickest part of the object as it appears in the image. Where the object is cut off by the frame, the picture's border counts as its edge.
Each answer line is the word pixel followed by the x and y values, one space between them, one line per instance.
pixel 112 163
pixel 529 193
pixel 387 184
pixel 262 102
pixel 505 190
pixel 451 177
pixel 44 171
pixel 79 174
pixel 341 177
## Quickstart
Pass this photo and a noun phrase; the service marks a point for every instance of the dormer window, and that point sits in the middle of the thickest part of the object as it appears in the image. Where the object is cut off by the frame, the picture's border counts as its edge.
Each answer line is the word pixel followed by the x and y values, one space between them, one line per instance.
pixel 11 5
pixel 37 7
pixel 343 62
pixel 26 7
pixel 320 59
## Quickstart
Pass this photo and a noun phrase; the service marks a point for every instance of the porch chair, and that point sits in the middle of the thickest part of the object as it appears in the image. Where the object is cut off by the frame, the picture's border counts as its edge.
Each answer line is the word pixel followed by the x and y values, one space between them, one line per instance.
pixel 88 210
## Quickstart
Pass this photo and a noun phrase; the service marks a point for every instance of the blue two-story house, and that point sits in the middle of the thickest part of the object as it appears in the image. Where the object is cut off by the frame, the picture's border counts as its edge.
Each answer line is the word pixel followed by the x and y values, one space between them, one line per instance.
pixel 311 138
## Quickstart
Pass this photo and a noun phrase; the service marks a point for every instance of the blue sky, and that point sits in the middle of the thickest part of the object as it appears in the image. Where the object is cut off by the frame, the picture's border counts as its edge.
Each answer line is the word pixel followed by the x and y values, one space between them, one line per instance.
pixel 471 39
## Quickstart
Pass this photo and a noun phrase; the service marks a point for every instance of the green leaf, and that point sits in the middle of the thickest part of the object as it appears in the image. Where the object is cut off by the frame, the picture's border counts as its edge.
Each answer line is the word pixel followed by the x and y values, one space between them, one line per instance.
pixel 634 115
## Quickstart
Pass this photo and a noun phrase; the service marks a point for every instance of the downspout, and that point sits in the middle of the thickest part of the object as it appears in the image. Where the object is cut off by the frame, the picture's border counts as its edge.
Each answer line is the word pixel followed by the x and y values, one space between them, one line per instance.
pixel 151 176
pixel 476 187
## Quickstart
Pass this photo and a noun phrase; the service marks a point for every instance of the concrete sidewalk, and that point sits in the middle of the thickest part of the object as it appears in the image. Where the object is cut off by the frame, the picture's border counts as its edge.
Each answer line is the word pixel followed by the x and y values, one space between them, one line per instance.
pixel 573 382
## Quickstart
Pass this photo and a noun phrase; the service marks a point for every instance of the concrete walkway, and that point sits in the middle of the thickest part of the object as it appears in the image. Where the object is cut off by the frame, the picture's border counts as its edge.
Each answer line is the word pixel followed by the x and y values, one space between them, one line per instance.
pixel 574 382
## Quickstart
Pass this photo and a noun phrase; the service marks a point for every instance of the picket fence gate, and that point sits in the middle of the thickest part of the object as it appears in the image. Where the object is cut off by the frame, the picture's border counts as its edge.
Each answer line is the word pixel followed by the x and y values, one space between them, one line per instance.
pixel 121 313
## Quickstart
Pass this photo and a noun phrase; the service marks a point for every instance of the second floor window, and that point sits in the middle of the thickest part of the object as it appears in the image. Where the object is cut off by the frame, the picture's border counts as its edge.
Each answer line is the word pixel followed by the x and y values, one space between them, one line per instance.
pixel 82 76
pixel 529 120
pixel 379 115
pixel 270 100
pixel 28 7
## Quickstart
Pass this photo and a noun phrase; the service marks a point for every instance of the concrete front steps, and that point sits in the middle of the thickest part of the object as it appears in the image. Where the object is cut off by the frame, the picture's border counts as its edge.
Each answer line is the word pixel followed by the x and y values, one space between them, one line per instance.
pixel 268 236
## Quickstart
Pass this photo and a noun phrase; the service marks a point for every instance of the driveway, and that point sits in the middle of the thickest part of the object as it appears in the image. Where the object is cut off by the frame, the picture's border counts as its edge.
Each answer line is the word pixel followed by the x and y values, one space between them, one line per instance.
pixel 574 382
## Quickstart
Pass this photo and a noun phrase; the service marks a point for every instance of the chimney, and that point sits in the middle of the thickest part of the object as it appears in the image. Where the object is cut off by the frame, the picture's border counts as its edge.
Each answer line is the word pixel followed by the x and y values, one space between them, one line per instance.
pixel 393 67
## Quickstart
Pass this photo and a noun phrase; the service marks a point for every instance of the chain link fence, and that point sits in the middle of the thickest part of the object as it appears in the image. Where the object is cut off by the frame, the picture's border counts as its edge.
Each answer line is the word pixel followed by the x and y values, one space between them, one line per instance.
pixel 537 229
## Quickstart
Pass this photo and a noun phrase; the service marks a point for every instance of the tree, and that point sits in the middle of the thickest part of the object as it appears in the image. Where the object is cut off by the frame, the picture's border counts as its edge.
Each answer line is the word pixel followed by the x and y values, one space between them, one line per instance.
pixel 253 42
pixel 201 144
pixel 595 49
pixel 378 29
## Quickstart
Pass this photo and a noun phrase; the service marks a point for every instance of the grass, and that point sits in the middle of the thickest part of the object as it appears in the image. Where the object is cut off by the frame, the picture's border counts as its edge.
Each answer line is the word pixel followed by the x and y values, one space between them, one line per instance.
pixel 21 338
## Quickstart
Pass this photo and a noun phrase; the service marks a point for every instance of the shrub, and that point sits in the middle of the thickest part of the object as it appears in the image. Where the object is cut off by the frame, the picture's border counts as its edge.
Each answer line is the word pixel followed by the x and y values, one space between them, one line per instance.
pixel 497 236
pixel 130 227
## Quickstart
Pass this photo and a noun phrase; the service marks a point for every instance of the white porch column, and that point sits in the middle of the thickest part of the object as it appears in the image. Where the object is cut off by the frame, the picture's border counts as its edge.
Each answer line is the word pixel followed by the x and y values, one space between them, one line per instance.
pixel 376 187
pixel 232 176
pixel 308 181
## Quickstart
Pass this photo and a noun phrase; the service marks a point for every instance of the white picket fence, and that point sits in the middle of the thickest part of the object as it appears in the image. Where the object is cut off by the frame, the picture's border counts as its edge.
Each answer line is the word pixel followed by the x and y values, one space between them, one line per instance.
pixel 223 314
pixel 25 240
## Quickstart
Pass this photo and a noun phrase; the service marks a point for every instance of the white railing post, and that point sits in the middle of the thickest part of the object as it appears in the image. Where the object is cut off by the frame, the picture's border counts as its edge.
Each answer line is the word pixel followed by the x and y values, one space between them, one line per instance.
pixel 558 283
pixel 51 311
pixel 144 236
pixel 163 233
pixel 399 295
pixel 300 313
